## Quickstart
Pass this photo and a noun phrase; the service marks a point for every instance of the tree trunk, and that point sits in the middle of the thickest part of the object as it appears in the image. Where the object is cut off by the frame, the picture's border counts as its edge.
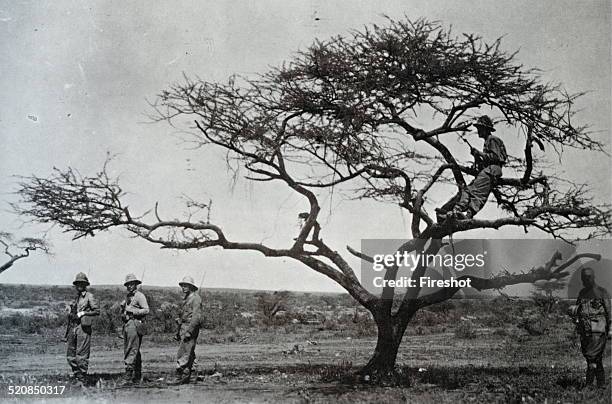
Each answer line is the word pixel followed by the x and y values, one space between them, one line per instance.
pixel 381 366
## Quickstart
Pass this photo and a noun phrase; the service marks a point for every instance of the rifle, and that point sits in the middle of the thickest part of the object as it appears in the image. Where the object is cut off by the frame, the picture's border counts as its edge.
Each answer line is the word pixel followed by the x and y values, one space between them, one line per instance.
pixel 72 315
pixel 142 279
pixel 201 300
pixel 477 160
pixel 177 336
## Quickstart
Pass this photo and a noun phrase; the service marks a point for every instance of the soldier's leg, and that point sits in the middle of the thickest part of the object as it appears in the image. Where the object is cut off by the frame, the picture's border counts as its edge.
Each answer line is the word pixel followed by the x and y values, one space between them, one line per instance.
pixel 131 346
pixel 192 347
pixel 183 354
pixel 138 362
pixel 181 376
pixel 71 349
pixel 584 347
pixel 184 361
pixel 443 211
pixel 476 194
pixel 600 374
pixel 590 373
pixel 471 199
pixel 83 349
pixel 448 206
pixel 125 341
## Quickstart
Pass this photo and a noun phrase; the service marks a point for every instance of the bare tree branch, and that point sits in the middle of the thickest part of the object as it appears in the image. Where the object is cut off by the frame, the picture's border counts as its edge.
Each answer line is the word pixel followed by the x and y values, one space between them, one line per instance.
pixel 545 272
pixel 16 250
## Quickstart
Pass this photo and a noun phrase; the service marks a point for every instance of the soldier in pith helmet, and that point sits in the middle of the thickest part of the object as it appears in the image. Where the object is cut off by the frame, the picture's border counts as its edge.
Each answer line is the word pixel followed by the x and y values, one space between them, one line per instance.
pixel 78 333
pixel 133 311
pixel 189 329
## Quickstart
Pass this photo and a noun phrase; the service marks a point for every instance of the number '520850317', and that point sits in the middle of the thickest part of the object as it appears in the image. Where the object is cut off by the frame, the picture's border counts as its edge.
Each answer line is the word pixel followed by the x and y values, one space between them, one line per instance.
pixel 36 390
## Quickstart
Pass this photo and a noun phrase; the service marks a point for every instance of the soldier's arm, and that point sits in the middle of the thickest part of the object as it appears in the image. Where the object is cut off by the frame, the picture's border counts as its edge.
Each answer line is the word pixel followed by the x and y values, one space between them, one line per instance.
pixel 495 153
pixel 94 307
pixel 196 313
pixel 144 306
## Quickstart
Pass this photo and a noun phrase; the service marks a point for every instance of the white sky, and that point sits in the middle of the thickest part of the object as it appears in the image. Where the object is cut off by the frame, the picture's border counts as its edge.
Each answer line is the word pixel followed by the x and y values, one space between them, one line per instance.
pixel 75 77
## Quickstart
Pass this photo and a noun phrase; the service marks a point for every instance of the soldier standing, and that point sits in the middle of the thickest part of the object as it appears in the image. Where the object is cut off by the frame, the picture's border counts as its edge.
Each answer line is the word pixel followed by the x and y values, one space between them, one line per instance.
pixel 189 328
pixel 78 333
pixel 133 310
pixel 592 312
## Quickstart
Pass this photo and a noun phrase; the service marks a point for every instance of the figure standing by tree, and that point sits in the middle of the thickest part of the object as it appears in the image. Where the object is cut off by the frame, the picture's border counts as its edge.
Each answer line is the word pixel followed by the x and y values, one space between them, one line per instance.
pixel 593 314
pixel 134 310
pixel 78 335
pixel 471 199
pixel 189 329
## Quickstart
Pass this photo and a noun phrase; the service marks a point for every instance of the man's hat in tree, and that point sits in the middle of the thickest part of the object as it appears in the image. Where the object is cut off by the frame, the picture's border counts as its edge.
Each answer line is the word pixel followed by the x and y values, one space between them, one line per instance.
pixel 131 278
pixel 81 278
pixel 485 122
pixel 188 280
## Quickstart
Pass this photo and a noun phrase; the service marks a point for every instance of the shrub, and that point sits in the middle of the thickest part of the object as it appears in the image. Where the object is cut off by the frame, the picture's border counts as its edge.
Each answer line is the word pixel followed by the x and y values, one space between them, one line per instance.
pixel 466 330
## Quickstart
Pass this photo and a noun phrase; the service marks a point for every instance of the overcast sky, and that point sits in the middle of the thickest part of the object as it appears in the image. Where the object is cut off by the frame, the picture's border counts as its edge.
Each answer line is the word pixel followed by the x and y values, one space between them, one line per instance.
pixel 75 78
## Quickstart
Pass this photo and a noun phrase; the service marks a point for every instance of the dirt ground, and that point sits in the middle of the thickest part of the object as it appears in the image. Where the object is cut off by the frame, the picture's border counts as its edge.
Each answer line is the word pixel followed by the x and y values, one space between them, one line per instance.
pixel 440 367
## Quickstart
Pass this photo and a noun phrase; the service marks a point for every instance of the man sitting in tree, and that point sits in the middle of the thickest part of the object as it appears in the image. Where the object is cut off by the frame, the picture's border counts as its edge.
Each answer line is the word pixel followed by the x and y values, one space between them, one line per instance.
pixel 471 200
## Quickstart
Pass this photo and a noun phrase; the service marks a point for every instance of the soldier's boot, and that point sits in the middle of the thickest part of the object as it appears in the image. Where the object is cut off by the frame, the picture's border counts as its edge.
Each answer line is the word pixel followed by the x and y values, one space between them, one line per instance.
pixel 79 379
pixel 127 379
pixel 600 375
pixel 178 373
pixel 183 376
pixel 186 376
pixel 82 377
pixel 137 376
pixel 440 215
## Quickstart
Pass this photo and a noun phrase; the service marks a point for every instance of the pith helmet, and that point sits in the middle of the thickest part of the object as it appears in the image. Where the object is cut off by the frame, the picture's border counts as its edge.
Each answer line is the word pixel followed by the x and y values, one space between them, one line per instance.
pixel 80 278
pixel 131 278
pixel 485 122
pixel 188 280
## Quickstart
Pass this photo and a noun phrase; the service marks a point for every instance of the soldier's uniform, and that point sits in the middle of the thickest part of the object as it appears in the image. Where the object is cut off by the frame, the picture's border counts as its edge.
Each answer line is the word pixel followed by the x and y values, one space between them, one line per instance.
pixel 134 309
pixel 189 329
pixel 78 337
pixel 492 158
pixel 593 315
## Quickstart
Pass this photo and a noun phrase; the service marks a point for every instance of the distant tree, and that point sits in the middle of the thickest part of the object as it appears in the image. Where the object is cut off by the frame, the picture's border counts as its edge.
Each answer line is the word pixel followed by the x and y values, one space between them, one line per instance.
pixel 544 295
pixel 349 112
pixel 269 304
pixel 15 250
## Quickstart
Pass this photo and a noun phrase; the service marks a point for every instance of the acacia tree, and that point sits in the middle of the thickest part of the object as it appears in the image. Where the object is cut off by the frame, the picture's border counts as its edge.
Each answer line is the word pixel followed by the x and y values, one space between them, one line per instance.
pixel 15 250
pixel 345 112
pixel 270 304
pixel 544 294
